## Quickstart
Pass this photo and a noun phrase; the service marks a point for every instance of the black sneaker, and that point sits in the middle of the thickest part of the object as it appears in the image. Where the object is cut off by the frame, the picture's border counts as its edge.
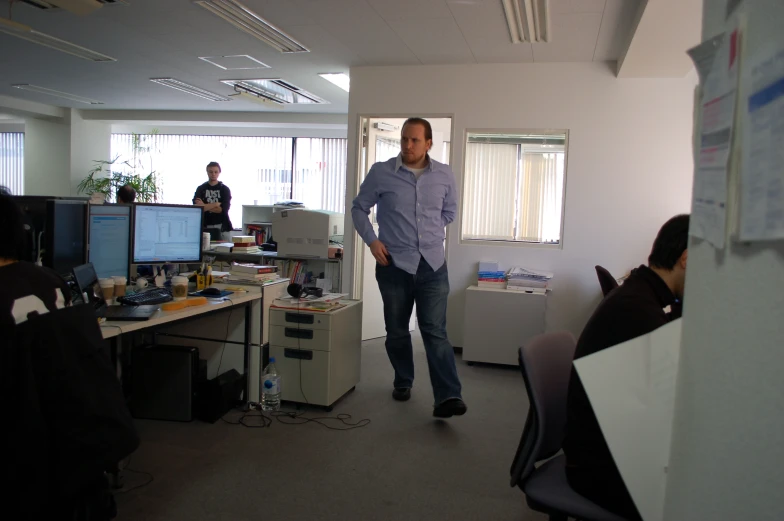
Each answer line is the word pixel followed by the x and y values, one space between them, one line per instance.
pixel 401 394
pixel 449 408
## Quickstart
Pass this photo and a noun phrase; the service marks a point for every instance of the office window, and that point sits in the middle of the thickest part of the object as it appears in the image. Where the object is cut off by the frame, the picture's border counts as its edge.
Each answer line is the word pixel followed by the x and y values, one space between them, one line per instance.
pixel 258 170
pixel 12 161
pixel 387 148
pixel 320 173
pixel 513 187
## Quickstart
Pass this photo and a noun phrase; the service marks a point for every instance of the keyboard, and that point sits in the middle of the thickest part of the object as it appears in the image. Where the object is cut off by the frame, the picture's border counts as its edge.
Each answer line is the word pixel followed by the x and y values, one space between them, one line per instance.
pixel 151 296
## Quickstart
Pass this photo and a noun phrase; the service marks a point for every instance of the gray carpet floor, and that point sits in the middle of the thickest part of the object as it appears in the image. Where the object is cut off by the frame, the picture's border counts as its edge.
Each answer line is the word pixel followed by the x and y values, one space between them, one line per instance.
pixel 404 465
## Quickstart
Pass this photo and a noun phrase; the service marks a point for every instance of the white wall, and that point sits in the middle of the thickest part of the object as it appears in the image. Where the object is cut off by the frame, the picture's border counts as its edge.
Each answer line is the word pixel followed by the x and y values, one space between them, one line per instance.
pixel 47 161
pixel 629 162
pixel 90 141
pixel 727 452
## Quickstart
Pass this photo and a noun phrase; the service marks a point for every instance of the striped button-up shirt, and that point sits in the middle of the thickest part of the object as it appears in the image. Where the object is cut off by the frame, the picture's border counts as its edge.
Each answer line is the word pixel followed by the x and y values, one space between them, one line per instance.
pixel 412 213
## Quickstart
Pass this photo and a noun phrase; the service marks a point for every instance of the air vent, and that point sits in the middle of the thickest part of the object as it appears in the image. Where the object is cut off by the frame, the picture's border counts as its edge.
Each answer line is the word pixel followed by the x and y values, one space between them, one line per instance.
pixel 277 91
pixel 75 6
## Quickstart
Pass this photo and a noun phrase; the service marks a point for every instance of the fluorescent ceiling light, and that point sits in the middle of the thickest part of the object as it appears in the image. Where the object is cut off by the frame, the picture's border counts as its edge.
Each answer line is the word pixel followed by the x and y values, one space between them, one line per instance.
pixel 57 93
pixel 27 33
pixel 246 20
pixel 258 99
pixel 235 62
pixel 339 79
pixel 528 20
pixel 79 7
pixel 276 90
pixel 190 89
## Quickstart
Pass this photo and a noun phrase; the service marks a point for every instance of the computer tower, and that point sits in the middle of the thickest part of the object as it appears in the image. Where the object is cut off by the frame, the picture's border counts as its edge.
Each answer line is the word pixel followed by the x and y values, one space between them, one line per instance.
pixel 216 397
pixel 164 380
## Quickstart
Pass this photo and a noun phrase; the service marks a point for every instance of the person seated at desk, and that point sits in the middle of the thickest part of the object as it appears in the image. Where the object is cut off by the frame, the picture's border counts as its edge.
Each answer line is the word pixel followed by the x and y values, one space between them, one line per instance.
pixel 647 300
pixel 126 194
pixel 66 418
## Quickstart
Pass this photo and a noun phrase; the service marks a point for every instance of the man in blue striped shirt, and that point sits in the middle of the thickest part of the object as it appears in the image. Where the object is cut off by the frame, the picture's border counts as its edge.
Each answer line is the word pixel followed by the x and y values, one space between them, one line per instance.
pixel 416 198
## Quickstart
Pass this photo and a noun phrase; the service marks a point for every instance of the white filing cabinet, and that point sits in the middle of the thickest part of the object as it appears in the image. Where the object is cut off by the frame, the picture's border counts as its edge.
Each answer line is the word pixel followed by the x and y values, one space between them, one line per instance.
pixel 318 354
pixel 498 321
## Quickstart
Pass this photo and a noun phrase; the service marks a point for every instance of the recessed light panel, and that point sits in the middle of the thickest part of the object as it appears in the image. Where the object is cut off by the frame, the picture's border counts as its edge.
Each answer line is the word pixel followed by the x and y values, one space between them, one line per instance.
pixel 237 62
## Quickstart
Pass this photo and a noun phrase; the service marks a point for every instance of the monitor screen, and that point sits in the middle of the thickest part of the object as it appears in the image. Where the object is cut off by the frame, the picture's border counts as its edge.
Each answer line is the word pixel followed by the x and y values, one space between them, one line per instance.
pixel 65 237
pixel 110 239
pixel 166 233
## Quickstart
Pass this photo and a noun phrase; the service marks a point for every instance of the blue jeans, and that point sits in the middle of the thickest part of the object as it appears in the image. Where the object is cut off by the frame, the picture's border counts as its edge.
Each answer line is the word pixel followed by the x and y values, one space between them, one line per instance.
pixel 429 289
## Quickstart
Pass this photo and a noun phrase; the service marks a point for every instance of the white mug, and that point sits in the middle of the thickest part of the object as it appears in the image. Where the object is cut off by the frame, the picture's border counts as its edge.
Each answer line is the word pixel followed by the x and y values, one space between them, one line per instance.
pixel 141 283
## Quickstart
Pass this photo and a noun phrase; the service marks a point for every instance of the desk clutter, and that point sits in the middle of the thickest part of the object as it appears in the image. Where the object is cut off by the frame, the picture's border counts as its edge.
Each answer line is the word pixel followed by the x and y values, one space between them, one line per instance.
pixel 516 279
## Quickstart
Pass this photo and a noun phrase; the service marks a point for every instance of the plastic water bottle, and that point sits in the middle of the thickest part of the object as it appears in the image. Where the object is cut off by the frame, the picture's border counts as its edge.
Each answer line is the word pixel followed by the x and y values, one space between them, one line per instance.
pixel 270 388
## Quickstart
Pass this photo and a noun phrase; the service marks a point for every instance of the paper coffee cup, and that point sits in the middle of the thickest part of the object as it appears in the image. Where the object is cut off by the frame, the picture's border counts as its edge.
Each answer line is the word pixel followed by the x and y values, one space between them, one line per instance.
pixel 119 286
pixel 205 241
pixel 179 287
pixel 107 289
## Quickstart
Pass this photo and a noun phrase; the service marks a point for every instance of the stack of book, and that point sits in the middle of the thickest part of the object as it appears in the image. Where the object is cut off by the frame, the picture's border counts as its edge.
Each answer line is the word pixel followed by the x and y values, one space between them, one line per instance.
pixel 531 281
pixel 244 244
pixel 252 273
pixel 490 276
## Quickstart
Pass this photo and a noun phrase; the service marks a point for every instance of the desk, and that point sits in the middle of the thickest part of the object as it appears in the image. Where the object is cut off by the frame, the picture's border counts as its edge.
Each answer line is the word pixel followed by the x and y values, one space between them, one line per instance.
pixel 204 327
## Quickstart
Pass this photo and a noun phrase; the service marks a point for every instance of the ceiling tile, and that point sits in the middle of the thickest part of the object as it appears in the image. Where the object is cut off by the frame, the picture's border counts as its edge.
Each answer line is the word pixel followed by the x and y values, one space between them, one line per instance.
pixel 410 9
pixel 616 28
pixel 573 38
pixel 485 30
pixel 434 40
pixel 576 6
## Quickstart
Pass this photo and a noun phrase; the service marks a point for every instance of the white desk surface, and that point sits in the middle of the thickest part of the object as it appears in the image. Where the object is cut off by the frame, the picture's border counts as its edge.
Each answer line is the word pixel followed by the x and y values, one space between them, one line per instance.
pixel 115 328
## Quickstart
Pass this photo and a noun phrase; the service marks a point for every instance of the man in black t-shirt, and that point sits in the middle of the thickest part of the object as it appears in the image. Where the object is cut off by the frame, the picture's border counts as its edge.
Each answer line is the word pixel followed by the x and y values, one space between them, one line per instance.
pixel 648 299
pixel 26 288
pixel 68 422
pixel 215 198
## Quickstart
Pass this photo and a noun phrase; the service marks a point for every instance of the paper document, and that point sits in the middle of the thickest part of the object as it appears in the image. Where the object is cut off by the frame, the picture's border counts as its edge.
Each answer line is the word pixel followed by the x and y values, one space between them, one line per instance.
pixel 631 387
pixel 762 171
pixel 717 116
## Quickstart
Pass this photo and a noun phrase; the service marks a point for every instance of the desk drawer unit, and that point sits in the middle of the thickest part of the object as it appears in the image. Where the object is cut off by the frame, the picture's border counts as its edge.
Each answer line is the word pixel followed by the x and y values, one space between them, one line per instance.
pixel 317 354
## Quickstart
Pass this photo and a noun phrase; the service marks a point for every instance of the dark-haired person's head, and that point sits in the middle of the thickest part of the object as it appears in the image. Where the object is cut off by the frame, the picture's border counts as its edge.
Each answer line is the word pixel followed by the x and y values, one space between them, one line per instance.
pixel 126 194
pixel 670 253
pixel 213 172
pixel 416 138
pixel 12 247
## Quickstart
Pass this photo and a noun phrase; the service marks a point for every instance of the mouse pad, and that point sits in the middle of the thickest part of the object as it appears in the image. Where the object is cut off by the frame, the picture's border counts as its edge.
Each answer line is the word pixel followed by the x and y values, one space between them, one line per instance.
pixel 223 293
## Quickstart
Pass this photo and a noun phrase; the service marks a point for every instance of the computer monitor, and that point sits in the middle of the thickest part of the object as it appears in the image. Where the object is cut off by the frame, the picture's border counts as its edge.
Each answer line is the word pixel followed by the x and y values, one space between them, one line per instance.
pixel 109 239
pixel 166 233
pixel 65 238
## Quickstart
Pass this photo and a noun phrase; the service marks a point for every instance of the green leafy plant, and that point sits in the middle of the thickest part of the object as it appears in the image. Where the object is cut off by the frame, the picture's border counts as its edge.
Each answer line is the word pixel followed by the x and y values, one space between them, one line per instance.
pixel 109 175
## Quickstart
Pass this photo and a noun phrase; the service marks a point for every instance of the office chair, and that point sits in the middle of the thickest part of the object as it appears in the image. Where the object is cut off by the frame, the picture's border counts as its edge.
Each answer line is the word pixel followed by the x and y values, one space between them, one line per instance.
pixel 606 280
pixel 546 364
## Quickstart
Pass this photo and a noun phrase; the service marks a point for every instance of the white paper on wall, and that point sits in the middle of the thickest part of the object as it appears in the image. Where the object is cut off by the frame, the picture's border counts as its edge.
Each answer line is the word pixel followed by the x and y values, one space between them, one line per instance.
pixel 762 171
pixel 717 117
pixel 631 387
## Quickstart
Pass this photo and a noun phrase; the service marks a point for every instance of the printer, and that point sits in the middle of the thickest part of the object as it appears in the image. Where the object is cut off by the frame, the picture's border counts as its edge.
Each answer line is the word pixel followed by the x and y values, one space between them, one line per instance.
pixel 305 233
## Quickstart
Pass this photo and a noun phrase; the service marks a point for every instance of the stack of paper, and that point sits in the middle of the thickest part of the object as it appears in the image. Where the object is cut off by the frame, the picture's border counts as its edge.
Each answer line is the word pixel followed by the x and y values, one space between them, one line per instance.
pixel 252 273
pixel 524 279
pixel 327 302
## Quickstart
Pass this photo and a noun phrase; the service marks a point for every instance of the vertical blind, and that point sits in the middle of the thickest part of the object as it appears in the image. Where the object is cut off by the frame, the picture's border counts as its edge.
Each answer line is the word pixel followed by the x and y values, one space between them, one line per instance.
pixel 512 193
pixel 320 173
pixel 12 161
pixel 258 170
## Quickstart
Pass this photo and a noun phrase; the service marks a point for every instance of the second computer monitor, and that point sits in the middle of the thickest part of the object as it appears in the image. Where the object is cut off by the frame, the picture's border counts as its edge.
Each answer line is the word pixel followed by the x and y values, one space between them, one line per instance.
pixel 110 239
pixel 166 233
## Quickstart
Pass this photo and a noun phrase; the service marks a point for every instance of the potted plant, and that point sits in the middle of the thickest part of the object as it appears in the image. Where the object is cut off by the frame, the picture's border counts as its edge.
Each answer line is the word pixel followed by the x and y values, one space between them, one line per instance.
pixel 107 176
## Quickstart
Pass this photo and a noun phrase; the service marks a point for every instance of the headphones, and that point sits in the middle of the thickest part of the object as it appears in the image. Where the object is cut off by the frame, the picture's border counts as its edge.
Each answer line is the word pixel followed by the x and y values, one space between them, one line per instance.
pixel 300 291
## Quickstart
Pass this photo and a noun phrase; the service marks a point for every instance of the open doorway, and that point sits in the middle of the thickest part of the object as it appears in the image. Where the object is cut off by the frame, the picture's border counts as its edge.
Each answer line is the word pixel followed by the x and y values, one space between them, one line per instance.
pixel 380 142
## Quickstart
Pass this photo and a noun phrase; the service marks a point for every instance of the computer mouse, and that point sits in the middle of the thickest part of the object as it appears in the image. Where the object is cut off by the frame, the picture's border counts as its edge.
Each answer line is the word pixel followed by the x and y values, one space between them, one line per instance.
pixel 211 292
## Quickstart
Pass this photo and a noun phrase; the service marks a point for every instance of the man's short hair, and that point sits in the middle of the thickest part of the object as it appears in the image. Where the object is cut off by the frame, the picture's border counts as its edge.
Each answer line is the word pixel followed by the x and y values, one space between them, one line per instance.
pixel 212 164
pixel 670 243
pixel 420 121
pixel 14 242
pixel 126 194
